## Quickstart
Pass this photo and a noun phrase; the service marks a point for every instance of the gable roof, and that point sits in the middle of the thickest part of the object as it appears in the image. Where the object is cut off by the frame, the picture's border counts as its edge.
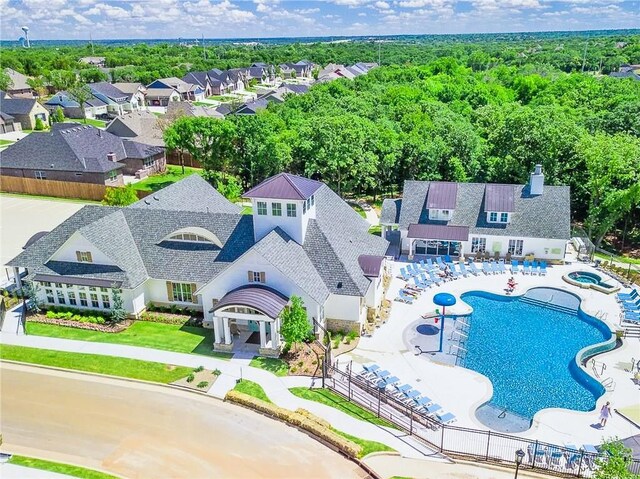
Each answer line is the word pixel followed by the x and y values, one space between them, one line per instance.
pixel 499 198
pixel 542 216
pixel 18 80
pixel 142 125
pixel 108 90
pixel 129 87
pixel 197 78
pixel 183 108
pixel 191 194
pixel 284 186
pixel 442 195
pixel 17 106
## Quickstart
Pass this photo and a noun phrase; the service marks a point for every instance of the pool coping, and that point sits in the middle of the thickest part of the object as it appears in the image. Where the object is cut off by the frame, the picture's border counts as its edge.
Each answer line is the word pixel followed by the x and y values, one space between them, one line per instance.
pixel 586 352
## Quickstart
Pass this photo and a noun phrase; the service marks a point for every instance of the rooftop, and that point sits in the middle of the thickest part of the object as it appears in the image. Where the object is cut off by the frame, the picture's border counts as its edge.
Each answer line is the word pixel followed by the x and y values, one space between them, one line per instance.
pixel 285 186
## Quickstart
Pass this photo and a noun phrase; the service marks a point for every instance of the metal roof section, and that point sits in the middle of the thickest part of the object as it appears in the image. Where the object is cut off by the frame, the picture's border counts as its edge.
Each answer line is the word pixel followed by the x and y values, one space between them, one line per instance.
pixel 499 198
pixel 442 195
pixel 284 186
pixel 370 264
pixel 266 300
pixel 439 232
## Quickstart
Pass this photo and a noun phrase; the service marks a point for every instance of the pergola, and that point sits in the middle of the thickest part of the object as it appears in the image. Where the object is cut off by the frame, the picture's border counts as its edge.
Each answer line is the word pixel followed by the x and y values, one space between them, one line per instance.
pixel 253 303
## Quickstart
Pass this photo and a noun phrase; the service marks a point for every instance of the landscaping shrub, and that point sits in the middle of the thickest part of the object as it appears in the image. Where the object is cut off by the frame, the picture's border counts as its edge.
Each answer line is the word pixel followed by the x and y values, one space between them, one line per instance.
pixel 39 126
pixel 216 372
pixel 190 378
pixel 198 369
pixel 300 418
pixel 74 315
pixel 202 384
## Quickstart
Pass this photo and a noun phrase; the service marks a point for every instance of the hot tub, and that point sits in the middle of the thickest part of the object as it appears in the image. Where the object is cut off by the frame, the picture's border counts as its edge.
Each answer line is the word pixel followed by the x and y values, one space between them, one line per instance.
pixel 587 279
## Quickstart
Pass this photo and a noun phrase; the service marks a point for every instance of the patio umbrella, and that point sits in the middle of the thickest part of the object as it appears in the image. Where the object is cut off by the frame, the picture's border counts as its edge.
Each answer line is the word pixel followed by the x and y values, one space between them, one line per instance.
pixel 444 300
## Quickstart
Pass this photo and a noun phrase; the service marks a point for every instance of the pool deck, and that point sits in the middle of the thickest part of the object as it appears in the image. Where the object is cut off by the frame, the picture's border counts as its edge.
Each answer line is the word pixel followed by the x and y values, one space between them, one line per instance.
pixel 461 391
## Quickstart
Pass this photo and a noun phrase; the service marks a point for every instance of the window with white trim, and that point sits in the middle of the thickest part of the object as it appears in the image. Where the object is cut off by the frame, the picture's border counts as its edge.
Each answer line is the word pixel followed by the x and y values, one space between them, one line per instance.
pixel 262 208
pixel 106 303
pixel 256 276
pixel 478 245
pixel 504 217
pixel 58 285
pixel 94 300
pixel 72 298
pixel 83 299
pixel 49 293
pixel 493 217
pixel 313 199
pixel 46 284
pixel 40 175
pixel 276 209
pixel 84 256
pixel 304 207
pixel 190 237
pixel 516 246
pixel 291 210
pixel 149 162
pixel 112 175
pixel 182 292
pixel 61 298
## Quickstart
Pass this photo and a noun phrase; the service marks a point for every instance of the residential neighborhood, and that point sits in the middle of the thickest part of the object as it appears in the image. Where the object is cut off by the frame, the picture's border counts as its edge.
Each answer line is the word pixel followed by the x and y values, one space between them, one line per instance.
pixel 385 255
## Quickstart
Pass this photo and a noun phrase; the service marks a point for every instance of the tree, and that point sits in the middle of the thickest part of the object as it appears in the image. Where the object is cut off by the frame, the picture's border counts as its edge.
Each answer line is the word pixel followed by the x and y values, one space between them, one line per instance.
pixel 295 327
pixel 37 84
pixel 118 313
pixel 80 93
pixel 5 81
pixel 92 75
pixel 31 293
pixel 120 196
pixel 616 463
pixel 57 116
pixel 39 126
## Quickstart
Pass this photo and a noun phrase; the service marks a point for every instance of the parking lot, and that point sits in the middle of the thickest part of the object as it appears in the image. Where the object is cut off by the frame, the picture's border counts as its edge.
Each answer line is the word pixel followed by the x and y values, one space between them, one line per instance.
pixel 23 216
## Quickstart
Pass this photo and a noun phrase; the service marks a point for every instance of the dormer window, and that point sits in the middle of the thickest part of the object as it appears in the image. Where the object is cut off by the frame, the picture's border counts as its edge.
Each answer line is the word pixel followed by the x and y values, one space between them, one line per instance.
pixel 276 209
pixel 262 208
pixel 84 256
pixel 440 215
pixel 500 217
pixel 190 237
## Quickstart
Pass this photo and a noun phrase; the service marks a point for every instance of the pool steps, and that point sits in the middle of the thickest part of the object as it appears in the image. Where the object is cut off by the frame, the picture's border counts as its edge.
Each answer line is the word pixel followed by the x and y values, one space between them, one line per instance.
pixel 548 304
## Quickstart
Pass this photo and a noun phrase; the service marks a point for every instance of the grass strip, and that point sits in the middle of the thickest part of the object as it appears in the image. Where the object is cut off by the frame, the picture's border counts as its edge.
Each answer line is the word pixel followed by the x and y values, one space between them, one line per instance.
pixel 60 468
pixel 367 446
pixel 252 389
pixel 329 398
pixel 172 175
pixel 273 365
pixel 94 363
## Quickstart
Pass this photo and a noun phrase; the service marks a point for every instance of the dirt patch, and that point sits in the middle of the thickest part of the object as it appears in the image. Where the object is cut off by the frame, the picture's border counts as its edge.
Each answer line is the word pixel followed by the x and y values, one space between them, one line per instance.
pixel 198 380
pixel 305 360
pixel 343 347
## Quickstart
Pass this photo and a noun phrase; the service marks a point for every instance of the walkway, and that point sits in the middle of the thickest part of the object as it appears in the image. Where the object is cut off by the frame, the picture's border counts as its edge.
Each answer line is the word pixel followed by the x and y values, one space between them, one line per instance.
pixel 276 388
pixel 11 471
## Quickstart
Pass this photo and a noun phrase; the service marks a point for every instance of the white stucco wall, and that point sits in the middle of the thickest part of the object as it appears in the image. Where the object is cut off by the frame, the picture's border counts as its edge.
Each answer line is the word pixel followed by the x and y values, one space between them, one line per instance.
pixel 237 275
pixel 346 308
pixel 77 242
pixel 134 300
pixel 155 291
pixel 296 227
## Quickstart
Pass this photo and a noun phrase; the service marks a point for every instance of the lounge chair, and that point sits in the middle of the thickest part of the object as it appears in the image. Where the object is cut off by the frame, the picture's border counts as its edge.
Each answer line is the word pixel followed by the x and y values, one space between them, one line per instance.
pixel 474 269
pixel 632 296
pixel 452 268
pixel 494 267
pixel 402 389
pixel 423 265
pixel 435 278
pixel 463 270
pixel 534 267
pixel 543 268
pixel 446 418
pixel 390 381
pixel 368 371
pixel 422 402
pixel 631 306
pixel 554 456
pixel 486 269
pixel 404 275
pixel 631 317
pixel 410 396
pixel 441 264
pixel 430 265
pixel 419 283
pixel 572 455
pixel 432 409
pixel 591 451
pixel 412 269
pixel 447 259
pixel 501 267
pixel 404 298
pixel 514 266
pixel 526 267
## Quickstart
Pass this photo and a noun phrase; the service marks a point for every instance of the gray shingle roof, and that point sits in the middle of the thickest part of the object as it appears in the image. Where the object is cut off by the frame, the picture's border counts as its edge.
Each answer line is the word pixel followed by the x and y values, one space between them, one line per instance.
pixel 69 147
pixel 543 216
pixel 390 211
pixel 191 194
pixel 17 106
pixel 108 90
pixel 135 149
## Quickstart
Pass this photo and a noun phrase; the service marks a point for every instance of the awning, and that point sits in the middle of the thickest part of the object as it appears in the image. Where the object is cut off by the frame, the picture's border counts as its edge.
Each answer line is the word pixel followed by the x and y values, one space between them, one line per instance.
pixel 370 264
pixel 266 300
pixel 439 232
pixel 97 283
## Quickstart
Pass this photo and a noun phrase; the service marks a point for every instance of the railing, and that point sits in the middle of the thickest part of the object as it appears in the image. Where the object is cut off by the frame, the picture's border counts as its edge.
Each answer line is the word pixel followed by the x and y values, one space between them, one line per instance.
pixel 462 442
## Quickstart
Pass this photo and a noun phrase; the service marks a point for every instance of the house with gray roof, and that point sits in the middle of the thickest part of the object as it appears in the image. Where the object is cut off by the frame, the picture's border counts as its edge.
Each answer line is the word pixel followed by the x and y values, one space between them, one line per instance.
pixel 80 153
pixel 19 86
pixel 117 101
pixel 141 126
pixel 187 246
pixel 437 218
pixel 25 111
pixel 93 107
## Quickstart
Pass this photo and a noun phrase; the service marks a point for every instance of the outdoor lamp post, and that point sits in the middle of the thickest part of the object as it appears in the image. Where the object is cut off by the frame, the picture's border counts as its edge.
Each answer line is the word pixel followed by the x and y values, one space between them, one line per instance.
pixel 444 300
pixel 519 458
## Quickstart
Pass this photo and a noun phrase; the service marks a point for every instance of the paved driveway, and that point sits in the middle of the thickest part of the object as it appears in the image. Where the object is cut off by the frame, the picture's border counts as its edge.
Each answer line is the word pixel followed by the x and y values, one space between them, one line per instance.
pixel 22 216
pixel 151 431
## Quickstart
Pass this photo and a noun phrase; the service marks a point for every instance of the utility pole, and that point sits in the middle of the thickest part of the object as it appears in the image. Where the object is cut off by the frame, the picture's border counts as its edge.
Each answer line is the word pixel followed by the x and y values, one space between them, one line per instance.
pixel 379 46
pixel 584 56
pixel 204 50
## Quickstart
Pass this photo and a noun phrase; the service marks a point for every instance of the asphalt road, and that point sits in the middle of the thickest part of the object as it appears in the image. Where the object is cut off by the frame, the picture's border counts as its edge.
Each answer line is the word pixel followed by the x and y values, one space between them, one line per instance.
pixel 148 431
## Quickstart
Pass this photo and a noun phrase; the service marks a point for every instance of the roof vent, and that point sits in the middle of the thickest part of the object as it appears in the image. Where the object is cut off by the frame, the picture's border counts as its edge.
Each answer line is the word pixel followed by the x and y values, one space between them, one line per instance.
pixel 147 202
pixel 156 198
pixel 339 285
pixel 111 156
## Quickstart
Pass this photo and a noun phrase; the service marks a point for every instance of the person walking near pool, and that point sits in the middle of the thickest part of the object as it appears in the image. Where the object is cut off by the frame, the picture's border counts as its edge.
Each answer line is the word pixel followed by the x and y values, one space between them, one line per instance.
pixel 605 412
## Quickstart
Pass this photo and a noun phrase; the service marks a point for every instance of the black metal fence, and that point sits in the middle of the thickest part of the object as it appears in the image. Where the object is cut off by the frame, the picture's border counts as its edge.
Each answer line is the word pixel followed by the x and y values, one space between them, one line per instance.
pixel 3 312
pixel 462 442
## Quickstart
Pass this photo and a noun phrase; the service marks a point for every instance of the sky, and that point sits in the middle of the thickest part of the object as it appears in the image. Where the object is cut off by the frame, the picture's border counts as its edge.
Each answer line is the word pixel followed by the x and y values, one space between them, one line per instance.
pixel 124 19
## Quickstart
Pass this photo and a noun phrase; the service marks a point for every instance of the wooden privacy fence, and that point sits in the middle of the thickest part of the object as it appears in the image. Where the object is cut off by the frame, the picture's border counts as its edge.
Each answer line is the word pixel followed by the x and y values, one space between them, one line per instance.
pixel 60 189
pixel 173 158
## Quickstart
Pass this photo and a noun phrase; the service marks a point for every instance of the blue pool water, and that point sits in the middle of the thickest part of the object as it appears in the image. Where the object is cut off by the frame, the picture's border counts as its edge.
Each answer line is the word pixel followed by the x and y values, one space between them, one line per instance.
pixel 528 352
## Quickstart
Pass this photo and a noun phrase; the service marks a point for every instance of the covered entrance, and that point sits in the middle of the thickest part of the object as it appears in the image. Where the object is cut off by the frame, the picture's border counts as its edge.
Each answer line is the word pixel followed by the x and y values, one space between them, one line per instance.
pixel 247 318
pixel 437 240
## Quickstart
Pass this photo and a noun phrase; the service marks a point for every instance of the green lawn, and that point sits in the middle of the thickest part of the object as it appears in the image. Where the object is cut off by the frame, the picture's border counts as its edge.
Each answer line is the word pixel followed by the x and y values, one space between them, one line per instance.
pixel 273 365
pixel 94 363
pixel 157 182
pixel 329 398
pixel 88 121
pixel 6 142
pixel 375 230
pixel 252 389
pixel 222 98
pixel 368 447
pixel 201 103
pixel 169 337
pixel 247 210
pixel 358 209
pixel 620 259
pixel 68 469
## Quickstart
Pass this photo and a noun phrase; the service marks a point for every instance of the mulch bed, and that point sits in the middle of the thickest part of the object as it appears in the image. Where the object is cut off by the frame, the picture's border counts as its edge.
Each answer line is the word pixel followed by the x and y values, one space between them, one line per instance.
pixel 344 347
pixel 206 375
pixel 301 361
pixel 105 328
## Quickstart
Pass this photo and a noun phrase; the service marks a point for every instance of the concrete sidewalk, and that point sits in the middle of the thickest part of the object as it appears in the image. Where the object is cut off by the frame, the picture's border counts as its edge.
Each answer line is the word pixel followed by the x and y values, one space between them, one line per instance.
pixel 276 388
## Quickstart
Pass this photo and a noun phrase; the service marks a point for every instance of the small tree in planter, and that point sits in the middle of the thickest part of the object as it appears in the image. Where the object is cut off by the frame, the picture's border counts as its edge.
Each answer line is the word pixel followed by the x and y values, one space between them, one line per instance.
pixel 295 327
pixel 118 313
pixel 30 292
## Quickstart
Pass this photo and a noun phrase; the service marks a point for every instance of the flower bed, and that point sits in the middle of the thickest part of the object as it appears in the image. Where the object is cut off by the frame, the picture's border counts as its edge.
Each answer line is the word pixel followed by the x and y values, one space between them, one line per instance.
pixel 305 360
pixel 170 318
pixel 105 328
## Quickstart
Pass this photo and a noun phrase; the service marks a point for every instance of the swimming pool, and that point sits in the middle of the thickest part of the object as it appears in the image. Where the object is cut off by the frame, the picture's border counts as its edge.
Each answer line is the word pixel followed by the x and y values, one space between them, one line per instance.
pixel 529 353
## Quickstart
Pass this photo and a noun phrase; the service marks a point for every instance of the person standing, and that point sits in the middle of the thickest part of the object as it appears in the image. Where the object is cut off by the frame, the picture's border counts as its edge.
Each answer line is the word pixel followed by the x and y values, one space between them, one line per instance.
pixel 605 413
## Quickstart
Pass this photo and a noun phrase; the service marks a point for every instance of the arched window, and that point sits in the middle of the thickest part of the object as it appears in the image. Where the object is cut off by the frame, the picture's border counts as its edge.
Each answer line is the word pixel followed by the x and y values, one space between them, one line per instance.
pixel 194 234
pixel 189 237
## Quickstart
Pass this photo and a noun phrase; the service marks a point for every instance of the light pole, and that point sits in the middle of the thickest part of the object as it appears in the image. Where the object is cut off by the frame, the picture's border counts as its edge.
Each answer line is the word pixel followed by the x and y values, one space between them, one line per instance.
pixel 519 458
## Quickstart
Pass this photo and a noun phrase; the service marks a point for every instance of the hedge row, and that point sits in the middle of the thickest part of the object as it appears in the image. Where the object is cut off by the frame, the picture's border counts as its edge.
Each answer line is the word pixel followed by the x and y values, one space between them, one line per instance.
pixel 164 318
pixel 95 319
pixel 299 418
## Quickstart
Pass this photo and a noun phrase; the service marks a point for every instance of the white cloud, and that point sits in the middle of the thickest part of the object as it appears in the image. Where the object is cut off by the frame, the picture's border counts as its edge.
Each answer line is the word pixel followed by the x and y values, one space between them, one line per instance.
pixel 382 5
pixel 351 3
pixel 504 4
pixel 110 11
pixel 307 11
